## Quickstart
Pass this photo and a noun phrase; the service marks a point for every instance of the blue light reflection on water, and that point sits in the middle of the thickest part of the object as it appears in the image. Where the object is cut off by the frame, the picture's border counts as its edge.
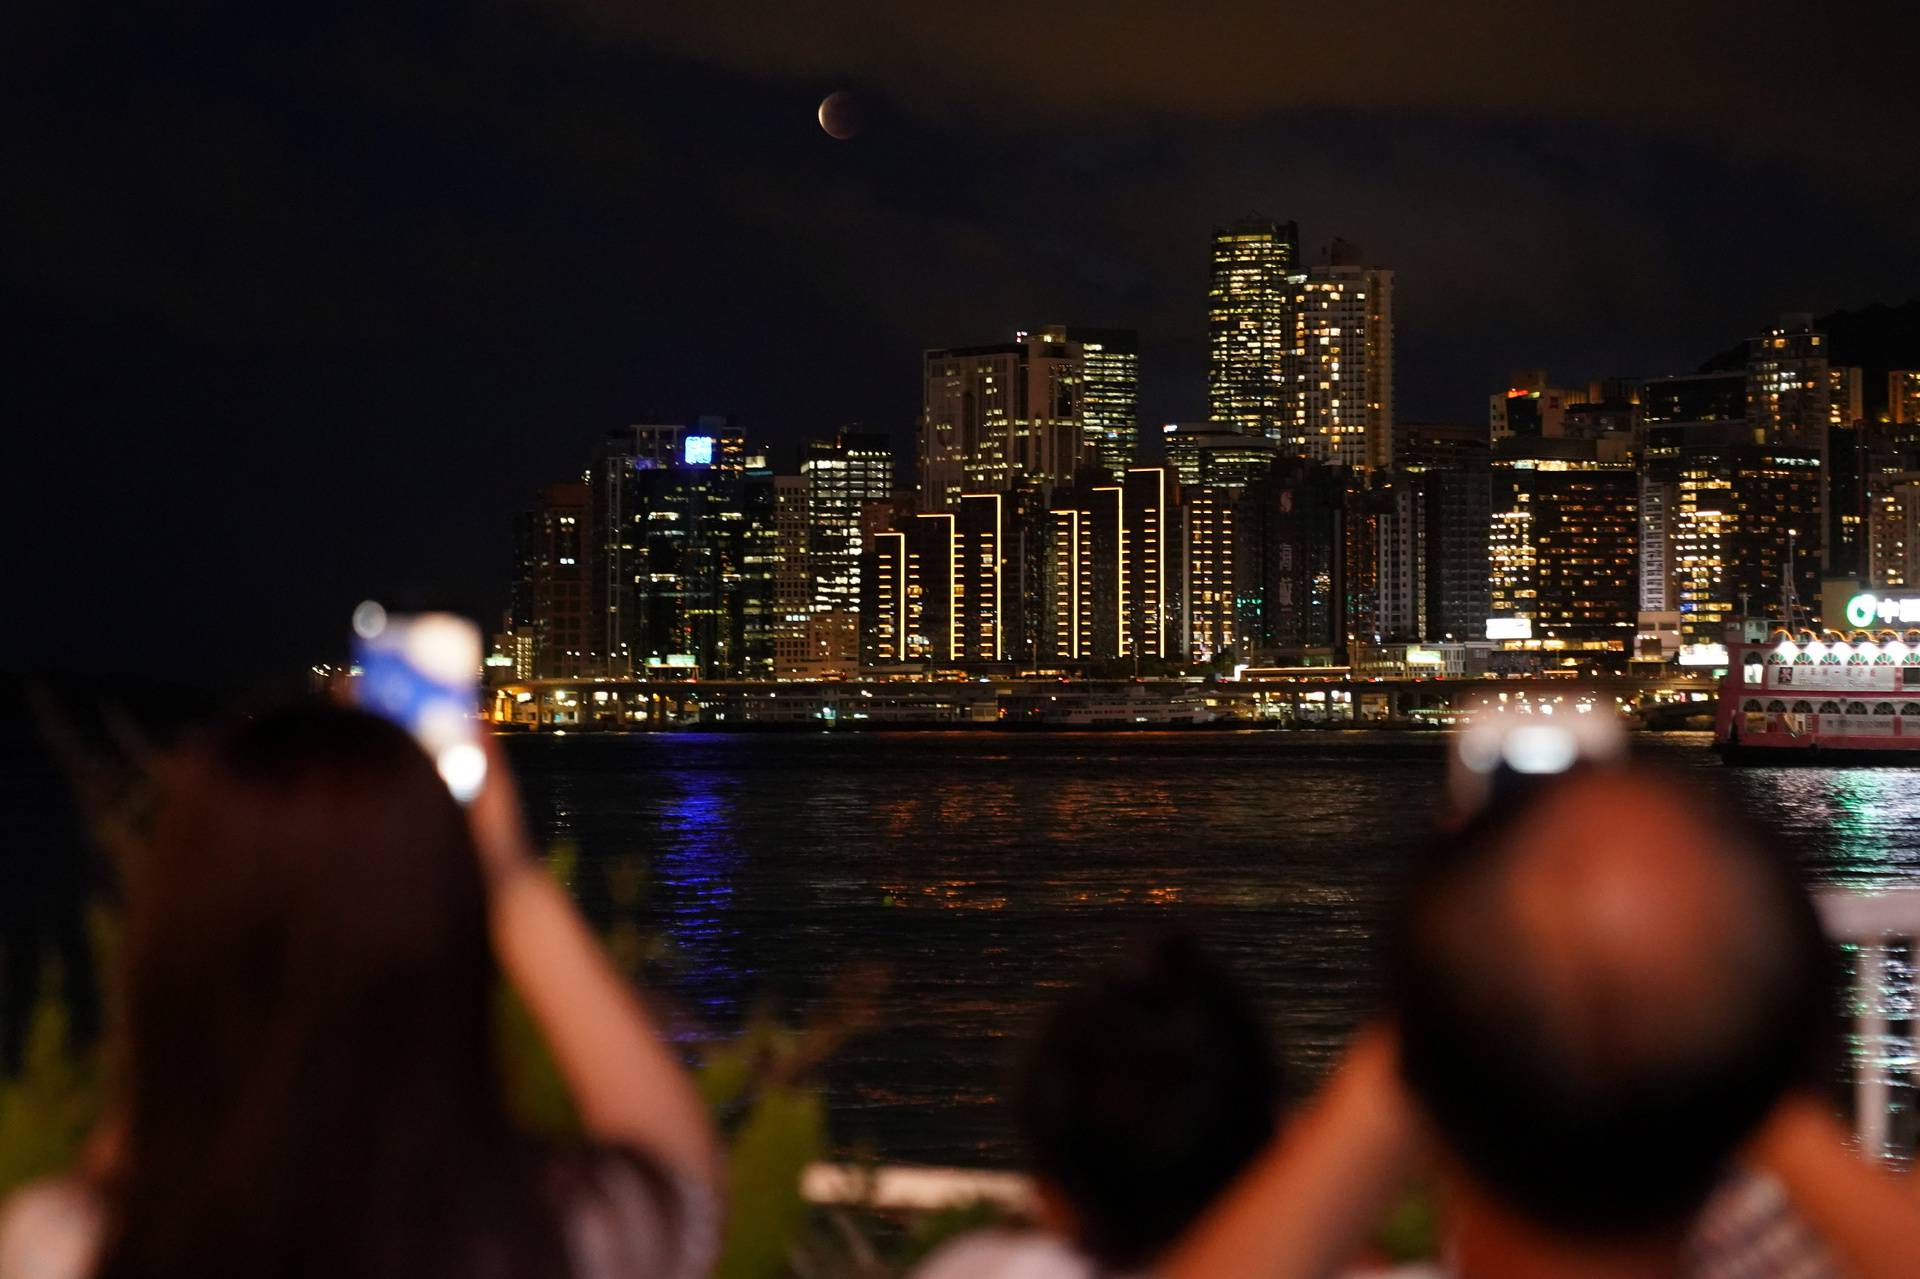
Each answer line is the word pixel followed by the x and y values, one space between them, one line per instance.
pixel 985 871
pixel 695 864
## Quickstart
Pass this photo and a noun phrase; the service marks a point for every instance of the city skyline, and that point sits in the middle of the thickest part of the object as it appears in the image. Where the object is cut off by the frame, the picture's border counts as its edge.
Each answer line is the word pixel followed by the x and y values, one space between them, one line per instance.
pixel 314 302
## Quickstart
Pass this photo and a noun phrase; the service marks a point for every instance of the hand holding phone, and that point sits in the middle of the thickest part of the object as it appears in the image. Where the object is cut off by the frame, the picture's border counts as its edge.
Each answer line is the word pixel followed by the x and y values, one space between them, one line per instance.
pixel 423 673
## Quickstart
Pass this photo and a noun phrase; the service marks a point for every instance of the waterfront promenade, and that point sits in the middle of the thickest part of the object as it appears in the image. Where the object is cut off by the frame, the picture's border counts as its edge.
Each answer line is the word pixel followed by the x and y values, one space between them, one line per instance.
pixel 1339 700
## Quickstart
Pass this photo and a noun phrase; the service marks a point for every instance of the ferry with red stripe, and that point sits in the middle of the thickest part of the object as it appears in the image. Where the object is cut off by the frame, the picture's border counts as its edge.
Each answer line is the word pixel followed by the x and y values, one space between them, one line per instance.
pixel 1832 697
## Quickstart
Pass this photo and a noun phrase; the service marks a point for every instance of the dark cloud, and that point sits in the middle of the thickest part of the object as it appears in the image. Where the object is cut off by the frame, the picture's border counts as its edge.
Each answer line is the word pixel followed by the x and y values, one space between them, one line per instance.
pixel 308 303
pixel 1819 83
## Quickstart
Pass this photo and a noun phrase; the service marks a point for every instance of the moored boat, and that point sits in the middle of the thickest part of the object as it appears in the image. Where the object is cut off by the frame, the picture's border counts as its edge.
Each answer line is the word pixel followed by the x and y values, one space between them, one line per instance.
pixel 1831 697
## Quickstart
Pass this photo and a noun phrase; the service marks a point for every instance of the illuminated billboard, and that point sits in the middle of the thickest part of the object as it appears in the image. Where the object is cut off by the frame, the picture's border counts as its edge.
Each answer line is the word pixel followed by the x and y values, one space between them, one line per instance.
pixel 1867 609
pixel 1509 628
pixel 698 450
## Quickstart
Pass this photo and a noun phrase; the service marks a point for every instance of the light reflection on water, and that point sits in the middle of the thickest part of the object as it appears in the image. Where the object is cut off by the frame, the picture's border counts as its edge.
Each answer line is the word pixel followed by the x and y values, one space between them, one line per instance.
pixel 985 871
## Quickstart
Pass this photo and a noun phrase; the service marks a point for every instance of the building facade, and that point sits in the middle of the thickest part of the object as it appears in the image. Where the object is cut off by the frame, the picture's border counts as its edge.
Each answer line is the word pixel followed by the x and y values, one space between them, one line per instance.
pixel 992 415
pixel 1247 329
pixel 1337 370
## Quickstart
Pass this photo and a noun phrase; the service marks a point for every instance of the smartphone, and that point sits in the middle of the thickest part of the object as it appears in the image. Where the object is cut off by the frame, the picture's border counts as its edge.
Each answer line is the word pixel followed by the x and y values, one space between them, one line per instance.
pixel 423 673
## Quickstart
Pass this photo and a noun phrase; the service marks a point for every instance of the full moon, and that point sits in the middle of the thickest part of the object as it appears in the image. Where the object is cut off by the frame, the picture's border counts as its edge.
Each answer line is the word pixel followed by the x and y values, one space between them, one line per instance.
pixel 840 115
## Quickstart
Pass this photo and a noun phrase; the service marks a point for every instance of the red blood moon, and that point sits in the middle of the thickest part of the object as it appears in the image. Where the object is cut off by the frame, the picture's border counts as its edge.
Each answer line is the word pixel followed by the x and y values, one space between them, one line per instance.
pixel 840 115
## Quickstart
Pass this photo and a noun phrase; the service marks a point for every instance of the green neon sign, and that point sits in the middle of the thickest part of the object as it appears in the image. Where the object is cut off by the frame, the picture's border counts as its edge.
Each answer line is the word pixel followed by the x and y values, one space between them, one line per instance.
pixel 1866 608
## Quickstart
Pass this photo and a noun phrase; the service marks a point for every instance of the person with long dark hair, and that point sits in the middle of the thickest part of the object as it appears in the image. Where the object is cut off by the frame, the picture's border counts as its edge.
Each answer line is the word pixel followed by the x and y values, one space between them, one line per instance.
pixel 307 1073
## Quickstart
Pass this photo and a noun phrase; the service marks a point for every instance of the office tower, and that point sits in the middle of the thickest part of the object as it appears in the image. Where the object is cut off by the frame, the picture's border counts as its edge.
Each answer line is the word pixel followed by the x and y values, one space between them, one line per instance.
pixel 1903 395
pixel 1563 542
pixel 1893 534
pixel 844 477
pixel 1291 564
pixel 1459 517
pixel 690 554
pixel 993 414
pixel 1110 392
pixel 1207 592
pixel 1788 387
pixel 793 655
pixel 1439 446
pixel 1209 453
pixel 1735 504
pixel 1337 370
pixel 1247 327
pixel 557 593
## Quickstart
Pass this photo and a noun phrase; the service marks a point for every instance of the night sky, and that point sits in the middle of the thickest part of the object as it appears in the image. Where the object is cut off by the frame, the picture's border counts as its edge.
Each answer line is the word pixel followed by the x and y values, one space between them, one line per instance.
pixel 304 301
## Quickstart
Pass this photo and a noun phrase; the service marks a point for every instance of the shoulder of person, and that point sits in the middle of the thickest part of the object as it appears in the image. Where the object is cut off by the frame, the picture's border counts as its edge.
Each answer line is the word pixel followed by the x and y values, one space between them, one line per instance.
pixel 1750 1227
pixel 623 1214
pixel 1006 1254
pixel 50 1230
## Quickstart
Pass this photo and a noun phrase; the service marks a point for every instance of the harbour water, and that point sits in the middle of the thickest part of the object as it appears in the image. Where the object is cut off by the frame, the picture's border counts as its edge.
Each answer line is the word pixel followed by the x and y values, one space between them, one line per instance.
pixel 980 872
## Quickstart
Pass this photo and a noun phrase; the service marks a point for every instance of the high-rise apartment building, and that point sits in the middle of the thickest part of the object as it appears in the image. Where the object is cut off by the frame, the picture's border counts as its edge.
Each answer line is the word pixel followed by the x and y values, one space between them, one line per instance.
pixel 1903 395
pixel 1110 392
pixel 1736 507
pixel 1401 561
pixel 1291 565
pixel 1788 387
pixel 1208 539
pixel 1563 542
pixel 843 478
pixel 1247 326
pixel 1114 570
pixel 557 587
pixel 1459 520
pixel 1893 534
pixel 1337 366
pixel 793 655
pixel 994 414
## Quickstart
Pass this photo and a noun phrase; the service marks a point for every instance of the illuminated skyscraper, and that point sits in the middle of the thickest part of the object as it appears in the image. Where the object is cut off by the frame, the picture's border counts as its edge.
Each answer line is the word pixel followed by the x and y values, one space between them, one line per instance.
pixel 1207 539
pixel 1110 392
pixel 843 479
pixel 1788 387
pixel 1735 505
pixel 1563 542
pixel 993 414
pixel 1337 374
pixel 1209 453
pixel 1247 329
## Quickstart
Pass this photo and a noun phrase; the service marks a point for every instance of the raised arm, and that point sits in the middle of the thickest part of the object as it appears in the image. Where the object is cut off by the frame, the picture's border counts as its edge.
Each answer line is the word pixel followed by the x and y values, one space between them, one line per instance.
pixel 1307 1204
pixel 1869 1218
pixel 627 1086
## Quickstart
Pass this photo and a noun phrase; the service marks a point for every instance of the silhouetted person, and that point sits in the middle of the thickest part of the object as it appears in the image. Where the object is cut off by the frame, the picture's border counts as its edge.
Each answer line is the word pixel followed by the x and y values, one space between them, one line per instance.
pixel 308 1070
pixel 1600 996
pixel 1144 1094
pixel 1609 1010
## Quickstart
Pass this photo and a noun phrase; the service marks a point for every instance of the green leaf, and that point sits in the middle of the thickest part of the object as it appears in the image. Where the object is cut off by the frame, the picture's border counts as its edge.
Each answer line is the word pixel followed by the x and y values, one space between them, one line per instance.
pixel 785 1131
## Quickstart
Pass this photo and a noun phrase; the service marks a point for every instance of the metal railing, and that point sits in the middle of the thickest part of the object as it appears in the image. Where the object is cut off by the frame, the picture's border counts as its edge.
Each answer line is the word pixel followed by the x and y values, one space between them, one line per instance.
pixel 1877 924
